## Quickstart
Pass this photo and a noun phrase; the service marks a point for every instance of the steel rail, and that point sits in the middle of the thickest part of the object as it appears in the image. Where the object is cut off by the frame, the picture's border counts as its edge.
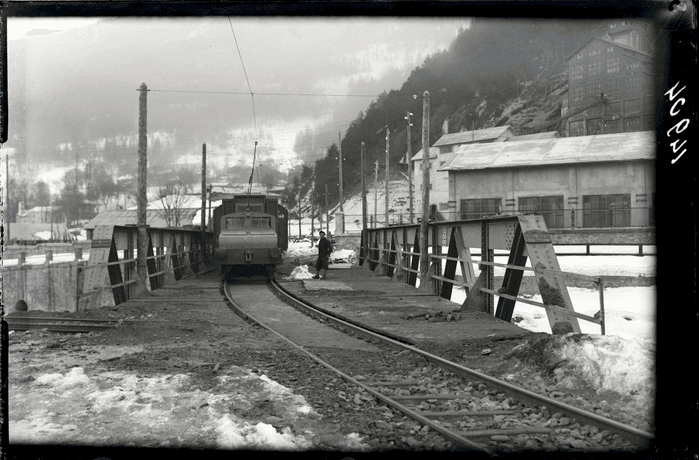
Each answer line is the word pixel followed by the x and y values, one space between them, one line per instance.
pixel 634 435
pixel 396 405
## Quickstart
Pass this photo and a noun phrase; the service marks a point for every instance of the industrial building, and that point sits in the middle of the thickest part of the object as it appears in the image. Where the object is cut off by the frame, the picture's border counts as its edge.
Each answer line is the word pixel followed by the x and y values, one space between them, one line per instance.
pixel 606 180
pixel 611 81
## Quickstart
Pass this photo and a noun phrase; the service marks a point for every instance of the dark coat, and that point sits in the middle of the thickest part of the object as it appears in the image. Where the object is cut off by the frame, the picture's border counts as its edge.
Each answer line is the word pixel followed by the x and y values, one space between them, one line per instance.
pixel 325 248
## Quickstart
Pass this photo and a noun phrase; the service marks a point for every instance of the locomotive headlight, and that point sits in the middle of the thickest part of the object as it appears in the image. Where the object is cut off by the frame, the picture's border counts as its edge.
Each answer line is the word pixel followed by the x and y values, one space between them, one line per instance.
pixel 275 253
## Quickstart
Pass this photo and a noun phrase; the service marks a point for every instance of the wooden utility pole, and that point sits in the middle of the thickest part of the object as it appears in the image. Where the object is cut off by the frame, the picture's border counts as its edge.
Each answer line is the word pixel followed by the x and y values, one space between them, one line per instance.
pixel 313 191
pixel 388 133
pixel 327 211
pixel 409 155
pixel 424 255
pixel 203 200
pixel 7 203
pixel 364 208
pixel 339 149
pixel 376 193
pixel 142 243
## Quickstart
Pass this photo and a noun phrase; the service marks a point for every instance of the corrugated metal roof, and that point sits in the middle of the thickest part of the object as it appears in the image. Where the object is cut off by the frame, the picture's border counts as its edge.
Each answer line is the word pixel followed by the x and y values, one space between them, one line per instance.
pixel 154 218
pixel 478 135
pixel 434 151
pixel 583 149
pixel 529 137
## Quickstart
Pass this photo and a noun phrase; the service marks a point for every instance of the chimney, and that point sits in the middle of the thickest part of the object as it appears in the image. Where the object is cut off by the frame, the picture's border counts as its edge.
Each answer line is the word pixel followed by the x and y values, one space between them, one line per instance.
pixel 445 127
pixel 20 212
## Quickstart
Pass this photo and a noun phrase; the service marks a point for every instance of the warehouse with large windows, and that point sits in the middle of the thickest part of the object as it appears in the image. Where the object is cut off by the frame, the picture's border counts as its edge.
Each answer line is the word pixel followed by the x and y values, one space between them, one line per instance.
pixel 607 180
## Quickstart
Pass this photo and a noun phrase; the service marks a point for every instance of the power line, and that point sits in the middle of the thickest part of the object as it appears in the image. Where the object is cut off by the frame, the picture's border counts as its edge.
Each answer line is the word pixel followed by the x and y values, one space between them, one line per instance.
pixel 239 93
pixel 252 95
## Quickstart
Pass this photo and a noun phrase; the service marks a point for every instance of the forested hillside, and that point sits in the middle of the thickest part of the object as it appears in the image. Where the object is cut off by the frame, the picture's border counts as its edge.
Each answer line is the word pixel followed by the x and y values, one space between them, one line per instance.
pixel 494 73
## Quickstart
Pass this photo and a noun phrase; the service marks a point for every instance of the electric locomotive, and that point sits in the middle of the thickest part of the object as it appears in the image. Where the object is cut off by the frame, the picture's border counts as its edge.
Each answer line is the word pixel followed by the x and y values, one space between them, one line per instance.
pixel 250 232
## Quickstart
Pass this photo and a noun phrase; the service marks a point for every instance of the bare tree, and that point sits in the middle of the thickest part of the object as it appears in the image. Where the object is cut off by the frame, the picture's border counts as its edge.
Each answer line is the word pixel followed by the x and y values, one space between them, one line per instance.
pixel 172 197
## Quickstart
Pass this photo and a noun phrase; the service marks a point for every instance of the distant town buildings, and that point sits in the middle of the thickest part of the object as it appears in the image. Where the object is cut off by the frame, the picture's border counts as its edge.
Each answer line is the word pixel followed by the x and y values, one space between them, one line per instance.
pixel 38 215
pixel 611 82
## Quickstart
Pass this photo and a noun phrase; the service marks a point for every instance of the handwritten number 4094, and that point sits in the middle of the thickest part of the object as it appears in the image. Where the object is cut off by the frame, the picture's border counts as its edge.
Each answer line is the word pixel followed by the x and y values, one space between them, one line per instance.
pixel 681 125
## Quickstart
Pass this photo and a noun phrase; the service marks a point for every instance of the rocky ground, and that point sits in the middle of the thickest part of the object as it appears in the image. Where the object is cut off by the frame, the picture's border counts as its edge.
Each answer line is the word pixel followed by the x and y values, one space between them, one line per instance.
pixel 176 376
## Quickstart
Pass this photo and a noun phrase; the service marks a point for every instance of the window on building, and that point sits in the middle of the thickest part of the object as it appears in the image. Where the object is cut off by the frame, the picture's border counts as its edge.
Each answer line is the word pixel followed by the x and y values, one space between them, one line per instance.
pixel 475 209
pixel 594 89
pixel 632 124
pixel 576 128
pixel 613 64
pixel 446 148
pixel 649 103
pixel 594 126
pixel 614 108
pixel 578 94
pixel 576 72
pixel 648 123
pixel 606 210
pixel 613 126
pixel 594 68
pixel 550 207
pixel 594 52
pixel 633 65
pixel 578 56
pixel 632 106
pixel 633 85
pixel 613 89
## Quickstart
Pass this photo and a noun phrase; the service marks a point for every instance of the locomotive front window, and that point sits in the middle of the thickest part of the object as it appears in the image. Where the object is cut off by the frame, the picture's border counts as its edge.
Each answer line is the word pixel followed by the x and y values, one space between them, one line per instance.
pixel 235 223
pixel 261 222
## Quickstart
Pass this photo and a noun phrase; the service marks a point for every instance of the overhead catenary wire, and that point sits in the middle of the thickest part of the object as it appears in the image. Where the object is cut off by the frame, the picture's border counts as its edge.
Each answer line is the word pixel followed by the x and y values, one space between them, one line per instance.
pixel 241 93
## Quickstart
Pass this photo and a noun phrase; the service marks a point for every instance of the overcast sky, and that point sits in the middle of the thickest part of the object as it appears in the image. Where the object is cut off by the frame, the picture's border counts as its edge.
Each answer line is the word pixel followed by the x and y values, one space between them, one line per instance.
pixel 99 63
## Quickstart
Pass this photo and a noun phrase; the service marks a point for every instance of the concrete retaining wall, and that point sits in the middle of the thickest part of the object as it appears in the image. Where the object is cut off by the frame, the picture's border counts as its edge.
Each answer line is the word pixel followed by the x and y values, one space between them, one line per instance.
pixel 48 287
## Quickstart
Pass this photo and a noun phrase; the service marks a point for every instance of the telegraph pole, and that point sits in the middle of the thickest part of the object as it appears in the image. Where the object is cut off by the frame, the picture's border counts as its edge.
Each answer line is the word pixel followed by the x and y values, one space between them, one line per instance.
pixel 364 208
pixel 203 199
pixel 409 162
pixel 7 203
pixel 424 256
pixel 339 148
pixel 376 193
pixel 327 211
pixel 141 267
pixel 388 133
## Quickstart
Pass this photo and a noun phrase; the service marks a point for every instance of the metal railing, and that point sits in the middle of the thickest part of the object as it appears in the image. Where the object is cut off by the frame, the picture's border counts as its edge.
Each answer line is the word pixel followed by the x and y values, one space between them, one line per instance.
pixel 634 216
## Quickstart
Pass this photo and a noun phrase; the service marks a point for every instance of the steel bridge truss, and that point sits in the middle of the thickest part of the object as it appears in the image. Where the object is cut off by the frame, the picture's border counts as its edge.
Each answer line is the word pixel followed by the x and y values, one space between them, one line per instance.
pixel 395 252
pixel 172 254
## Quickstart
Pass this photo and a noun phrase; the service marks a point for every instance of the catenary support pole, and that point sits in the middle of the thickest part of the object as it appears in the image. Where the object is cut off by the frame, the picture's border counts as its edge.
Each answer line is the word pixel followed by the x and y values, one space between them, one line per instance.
pixel 408 161
pixel 203 201
pixel 388 133
pixel 376 194
pixel 364 204
pixel 424 256
pixel 339 149
pixel 141 267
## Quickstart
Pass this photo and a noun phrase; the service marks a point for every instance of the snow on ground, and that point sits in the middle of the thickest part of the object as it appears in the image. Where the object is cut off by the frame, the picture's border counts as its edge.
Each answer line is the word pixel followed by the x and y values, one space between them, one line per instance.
pixel 622 360
pixel 160 411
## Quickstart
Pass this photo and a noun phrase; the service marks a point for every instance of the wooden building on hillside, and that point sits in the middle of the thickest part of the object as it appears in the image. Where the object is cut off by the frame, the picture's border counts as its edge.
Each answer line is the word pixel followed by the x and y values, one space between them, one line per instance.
pixel 611 82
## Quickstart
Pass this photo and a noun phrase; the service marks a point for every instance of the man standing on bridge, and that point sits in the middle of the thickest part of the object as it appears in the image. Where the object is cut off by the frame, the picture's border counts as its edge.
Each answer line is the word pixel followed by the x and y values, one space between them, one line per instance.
pixel 324 251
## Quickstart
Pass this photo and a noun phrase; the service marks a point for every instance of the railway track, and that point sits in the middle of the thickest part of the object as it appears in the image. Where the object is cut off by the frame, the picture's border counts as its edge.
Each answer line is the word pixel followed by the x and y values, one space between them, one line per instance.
pixel 472 410
pixel 54 324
